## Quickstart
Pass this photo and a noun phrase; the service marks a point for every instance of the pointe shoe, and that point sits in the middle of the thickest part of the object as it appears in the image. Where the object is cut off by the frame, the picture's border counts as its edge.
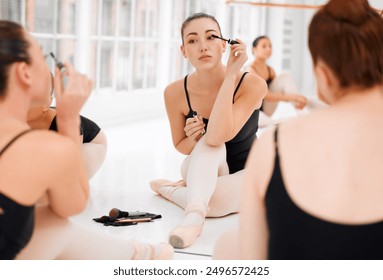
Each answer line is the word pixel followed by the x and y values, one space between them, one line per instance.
pixel 155 185
pixel 184 236
pixel 166 188
pixel 145 251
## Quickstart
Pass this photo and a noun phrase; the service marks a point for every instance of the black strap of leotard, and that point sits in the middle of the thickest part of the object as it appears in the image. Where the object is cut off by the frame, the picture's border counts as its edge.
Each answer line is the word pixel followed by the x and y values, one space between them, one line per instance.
pixel 187 93
pixel 276 142
pixel 239 84
pixel 13 140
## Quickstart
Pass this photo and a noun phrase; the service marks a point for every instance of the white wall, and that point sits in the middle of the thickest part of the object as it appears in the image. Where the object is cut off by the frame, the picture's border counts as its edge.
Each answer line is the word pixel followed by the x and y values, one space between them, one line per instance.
pixel 377 4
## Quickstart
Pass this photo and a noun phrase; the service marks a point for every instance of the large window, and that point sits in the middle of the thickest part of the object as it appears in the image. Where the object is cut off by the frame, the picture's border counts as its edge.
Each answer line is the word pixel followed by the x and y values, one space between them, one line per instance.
pixel 121 44
pixel 124 40
pixel 53 23
pixel 130 48
pixel 11 10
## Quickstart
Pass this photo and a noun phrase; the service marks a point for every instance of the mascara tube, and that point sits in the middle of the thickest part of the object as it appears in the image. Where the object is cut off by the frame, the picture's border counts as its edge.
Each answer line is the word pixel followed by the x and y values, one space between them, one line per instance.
pixel 62 68
pixel 195 116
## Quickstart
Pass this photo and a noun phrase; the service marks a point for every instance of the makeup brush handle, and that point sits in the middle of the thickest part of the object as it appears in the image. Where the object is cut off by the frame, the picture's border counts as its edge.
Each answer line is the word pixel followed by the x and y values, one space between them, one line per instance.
pixel 128 220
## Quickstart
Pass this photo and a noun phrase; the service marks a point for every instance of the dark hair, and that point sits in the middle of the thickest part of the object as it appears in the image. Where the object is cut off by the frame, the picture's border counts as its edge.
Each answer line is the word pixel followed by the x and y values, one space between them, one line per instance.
pixel 259 38
pixel 13 48
pixel 197 16
pixel 353 34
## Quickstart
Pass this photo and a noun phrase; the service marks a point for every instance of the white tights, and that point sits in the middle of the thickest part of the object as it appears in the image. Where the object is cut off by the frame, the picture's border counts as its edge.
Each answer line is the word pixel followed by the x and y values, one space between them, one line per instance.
pixel 285 84
pixel 282 83
pixel 208 181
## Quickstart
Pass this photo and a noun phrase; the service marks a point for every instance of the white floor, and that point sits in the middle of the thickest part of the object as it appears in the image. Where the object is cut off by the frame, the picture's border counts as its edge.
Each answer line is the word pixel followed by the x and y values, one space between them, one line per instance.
pixel 137 153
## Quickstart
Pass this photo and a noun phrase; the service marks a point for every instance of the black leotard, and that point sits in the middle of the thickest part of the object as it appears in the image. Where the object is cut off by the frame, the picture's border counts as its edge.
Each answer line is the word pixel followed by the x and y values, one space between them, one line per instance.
pixel 237 149
pixel 295 234
pixel 269 79
pixel 88 128
pixel 268 82
pixel 16 221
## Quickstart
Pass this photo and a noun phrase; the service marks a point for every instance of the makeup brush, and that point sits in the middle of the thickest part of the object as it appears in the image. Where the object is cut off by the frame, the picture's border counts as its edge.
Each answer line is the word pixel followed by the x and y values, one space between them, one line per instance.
pixel 128 220
pixel 230 41
pixel 115 213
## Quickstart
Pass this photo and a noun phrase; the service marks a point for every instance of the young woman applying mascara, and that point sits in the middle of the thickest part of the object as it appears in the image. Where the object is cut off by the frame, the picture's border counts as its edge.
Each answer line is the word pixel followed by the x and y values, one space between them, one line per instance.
pixel 213 114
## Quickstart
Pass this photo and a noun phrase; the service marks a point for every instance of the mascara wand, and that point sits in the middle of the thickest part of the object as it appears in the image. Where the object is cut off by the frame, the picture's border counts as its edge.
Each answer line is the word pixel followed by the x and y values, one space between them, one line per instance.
pixel 58 64
pixel 230 41
pixel 62 68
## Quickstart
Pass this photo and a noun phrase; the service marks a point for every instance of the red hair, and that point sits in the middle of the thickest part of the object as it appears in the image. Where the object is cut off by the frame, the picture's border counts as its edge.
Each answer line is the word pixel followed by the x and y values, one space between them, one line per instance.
pixel 348 37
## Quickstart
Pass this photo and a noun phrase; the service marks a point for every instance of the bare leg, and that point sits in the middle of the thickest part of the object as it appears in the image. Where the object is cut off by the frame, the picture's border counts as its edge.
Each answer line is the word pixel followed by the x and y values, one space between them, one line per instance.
pixel 58 238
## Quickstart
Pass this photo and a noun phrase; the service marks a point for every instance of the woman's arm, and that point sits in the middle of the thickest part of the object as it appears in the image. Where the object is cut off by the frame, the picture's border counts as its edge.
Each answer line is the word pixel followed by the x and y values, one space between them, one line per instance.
pixel 226 118
pixel 185 134
pixel 253 231
pixel 73 184
pixel 298 100
pixel 67 183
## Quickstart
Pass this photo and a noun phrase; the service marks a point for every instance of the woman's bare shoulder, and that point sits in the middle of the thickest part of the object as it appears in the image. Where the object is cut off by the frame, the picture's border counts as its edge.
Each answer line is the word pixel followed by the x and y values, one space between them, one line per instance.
pixel 174 95
pixel 174 87
pixel 253 82
pixel 39 157
pixel 255 78
pixel 48 145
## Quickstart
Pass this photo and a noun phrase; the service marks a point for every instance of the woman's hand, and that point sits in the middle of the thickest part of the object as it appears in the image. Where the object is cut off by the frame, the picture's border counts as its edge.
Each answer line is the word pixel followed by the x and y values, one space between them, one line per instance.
pixel 194 128
pixel 237 58
pixel 298 100
pixel 71 98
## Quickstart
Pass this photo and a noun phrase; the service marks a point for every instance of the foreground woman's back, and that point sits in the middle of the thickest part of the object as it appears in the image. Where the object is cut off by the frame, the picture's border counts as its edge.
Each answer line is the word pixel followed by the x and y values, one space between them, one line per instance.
pixel 317 181
pixel 320 205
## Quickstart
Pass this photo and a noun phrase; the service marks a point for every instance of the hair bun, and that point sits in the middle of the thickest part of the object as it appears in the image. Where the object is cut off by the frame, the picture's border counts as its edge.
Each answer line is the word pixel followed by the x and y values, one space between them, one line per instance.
pixel 354 11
